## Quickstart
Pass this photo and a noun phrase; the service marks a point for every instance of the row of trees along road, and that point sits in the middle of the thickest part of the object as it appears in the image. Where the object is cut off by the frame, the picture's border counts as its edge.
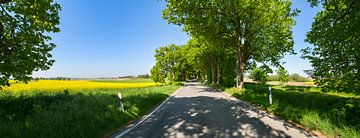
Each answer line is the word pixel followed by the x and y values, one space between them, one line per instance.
pixel 335 34
pixel 228 37
pixel 232 36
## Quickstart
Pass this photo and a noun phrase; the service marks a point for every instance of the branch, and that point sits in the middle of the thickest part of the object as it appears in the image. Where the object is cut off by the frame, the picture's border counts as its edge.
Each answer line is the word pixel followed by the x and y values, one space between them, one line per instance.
pixel 4 11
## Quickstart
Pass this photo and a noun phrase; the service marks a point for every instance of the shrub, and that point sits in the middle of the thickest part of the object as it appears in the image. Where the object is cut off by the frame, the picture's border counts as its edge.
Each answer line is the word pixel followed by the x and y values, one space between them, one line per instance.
pixel 259 75
pixel 296 77
pixel 283 75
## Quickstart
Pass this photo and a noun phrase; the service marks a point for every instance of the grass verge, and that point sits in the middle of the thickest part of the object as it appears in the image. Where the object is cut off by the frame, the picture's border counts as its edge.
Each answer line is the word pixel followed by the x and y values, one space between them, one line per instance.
pixel 333 115
pixel 75 113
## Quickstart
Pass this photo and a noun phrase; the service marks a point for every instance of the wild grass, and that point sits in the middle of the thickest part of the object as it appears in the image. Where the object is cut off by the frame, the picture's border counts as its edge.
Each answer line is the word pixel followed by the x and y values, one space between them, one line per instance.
pixel 333 115
pixel 74 112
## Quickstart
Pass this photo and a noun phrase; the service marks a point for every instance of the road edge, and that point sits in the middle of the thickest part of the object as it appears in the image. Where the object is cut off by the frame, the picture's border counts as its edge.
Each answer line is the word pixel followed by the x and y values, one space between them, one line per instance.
pixel 315 133
pixel 132 126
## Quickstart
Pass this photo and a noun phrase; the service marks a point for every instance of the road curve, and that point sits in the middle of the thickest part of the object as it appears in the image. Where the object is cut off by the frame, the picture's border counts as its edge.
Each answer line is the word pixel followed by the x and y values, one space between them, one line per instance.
pixel 199 111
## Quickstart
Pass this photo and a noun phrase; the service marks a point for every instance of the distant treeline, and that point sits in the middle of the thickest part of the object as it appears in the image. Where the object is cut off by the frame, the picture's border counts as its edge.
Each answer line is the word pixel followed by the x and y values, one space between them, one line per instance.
pixel 293 77
pixel 67 78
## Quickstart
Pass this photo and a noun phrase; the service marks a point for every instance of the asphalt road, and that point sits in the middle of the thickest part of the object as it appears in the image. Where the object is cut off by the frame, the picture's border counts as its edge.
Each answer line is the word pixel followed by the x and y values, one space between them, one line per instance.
pixel 198 111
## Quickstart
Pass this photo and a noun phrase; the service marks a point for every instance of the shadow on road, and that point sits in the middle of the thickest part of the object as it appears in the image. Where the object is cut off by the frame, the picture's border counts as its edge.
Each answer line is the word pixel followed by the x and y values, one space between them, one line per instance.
pixel 190 117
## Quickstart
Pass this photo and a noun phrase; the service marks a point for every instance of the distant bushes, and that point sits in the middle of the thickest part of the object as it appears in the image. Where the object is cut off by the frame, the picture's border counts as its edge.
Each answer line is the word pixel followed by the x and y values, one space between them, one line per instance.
pixel 143 76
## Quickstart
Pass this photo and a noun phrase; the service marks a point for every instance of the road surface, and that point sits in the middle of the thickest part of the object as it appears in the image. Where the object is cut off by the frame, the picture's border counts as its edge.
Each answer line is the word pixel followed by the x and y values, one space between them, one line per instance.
pixel 198 111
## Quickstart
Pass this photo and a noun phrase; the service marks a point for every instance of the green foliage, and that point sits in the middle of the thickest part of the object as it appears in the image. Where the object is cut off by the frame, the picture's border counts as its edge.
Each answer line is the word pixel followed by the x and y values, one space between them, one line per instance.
pixel 251 30
pixel 259 75
pixel 158 74
pixel 332 115
pixel 283 75
pixel 298 78
pixel 168 63
pixel 335 36
pixel 75 113
pixel 25 26
pixel 198 59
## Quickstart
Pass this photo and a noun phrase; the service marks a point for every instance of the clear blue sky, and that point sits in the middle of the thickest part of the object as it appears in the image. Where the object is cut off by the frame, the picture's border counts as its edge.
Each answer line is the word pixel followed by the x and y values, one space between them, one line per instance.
pixel 119 37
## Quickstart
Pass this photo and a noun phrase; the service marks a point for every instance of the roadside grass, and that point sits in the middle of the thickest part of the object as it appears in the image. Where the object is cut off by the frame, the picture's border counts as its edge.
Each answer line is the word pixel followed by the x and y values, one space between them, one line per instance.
pixel 131 80
pixel 75 113
pixel 333 115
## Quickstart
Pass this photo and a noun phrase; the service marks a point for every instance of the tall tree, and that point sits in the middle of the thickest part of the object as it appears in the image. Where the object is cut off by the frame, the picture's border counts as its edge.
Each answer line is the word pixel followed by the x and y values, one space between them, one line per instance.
pixel 24 37
pixel 259 31
pixel 167 60
pixel 335 34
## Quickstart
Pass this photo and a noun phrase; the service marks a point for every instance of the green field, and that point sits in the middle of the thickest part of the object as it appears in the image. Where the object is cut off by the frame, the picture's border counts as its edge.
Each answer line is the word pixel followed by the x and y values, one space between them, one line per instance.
pixel 334 114
pixel 81 113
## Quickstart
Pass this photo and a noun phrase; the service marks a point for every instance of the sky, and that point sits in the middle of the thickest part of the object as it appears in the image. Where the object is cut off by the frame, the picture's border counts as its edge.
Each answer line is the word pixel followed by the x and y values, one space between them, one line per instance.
pixel 119 38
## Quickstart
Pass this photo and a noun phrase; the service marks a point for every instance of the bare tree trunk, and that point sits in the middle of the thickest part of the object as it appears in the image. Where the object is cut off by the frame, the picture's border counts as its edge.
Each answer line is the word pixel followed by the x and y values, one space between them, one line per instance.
pixel 240 64
pixel 173 76
pixel 213 78
pixel 218 74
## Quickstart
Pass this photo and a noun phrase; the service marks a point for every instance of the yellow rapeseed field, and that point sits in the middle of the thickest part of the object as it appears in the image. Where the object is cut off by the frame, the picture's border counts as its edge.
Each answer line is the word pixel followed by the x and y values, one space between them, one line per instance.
pixel 57 85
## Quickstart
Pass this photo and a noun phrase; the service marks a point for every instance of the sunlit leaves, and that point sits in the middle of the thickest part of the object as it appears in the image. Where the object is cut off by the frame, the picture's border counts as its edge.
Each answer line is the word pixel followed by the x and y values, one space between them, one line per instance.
pixel 24 41
pixel 335 56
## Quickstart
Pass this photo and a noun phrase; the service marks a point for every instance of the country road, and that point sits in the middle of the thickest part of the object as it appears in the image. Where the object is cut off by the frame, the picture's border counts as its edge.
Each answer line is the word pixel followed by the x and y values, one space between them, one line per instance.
pixel 198 111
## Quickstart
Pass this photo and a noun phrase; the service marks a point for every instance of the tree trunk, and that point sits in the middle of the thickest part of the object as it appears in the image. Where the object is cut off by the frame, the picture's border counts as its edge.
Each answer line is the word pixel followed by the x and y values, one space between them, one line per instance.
pixel 213 73
pixel 218 74
pixel 173 76
pixel 240 64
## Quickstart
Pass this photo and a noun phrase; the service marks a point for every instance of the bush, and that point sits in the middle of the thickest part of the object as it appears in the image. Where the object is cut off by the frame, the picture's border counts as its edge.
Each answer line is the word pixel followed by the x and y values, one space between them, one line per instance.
pixel 259 75
pixel 296 77
pixel 283 75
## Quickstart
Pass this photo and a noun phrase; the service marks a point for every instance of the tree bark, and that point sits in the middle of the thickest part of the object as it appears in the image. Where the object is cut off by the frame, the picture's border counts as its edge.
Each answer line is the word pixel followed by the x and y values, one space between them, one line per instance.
pixel 218 73
pixel 240 63
pixel 213 78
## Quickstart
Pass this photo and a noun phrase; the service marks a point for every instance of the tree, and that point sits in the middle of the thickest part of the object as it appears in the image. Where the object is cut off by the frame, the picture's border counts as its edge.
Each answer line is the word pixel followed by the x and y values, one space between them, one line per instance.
pixel 258 31
pixel 298 78
pixel 166 62
pixel 335 57
pixel 24 37
pixel 158 74
pixel 259 75
pixel 283 75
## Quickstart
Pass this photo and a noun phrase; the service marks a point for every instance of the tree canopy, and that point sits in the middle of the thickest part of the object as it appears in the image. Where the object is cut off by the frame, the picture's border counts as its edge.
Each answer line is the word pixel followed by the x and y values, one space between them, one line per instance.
pixel 257 31
pixel 24 37
pixel 283 75
pixel 335 34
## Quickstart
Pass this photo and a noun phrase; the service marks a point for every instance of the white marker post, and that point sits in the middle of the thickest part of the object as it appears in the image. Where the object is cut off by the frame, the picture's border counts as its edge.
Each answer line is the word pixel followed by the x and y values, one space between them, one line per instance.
pixel 121 102
pixel 270 95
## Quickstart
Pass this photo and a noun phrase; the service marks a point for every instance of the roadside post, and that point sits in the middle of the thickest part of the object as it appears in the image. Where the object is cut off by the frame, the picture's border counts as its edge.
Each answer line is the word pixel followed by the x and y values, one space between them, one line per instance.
pixel 121 102
pixel 270 95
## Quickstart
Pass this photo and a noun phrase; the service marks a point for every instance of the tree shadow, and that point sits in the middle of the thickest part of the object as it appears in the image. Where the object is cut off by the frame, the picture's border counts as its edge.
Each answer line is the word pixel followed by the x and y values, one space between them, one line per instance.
pixel 204 116
pixel 298 88
pixel 295 101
